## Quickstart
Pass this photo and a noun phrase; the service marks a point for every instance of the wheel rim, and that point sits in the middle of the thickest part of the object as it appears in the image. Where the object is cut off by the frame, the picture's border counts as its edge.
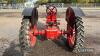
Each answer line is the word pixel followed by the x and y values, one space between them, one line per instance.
pixel 32 37
pixel 71 36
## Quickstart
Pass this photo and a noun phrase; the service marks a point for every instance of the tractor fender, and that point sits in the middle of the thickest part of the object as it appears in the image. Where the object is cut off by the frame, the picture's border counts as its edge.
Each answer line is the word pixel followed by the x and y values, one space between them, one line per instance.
pixel 78 11
pixel 27 12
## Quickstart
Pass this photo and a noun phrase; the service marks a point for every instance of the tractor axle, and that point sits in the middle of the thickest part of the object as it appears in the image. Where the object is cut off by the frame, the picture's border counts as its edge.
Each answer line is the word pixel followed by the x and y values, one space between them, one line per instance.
pixel 51 32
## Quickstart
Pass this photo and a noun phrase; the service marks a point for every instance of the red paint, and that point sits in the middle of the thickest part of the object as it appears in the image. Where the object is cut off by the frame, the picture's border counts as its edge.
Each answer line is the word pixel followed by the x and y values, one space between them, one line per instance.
pixel 32 39
pixel 71 36
pixel 70 18
pixel 52 31
pixel 51 14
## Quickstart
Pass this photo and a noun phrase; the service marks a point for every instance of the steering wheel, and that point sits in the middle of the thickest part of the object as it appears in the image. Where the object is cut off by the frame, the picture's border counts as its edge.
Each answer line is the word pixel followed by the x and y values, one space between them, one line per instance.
pixel 51 10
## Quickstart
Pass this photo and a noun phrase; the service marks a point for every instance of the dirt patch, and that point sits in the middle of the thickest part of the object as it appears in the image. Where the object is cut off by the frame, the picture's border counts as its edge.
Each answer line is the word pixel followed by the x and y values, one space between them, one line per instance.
pixel 10 29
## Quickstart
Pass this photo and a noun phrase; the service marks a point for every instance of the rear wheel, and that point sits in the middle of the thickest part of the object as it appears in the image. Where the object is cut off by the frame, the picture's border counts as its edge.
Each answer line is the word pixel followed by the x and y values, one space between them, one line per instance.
pixel 26 39
pixel 75 39
pixel 24 35
pixel 34 17
pixel 75 31
pixel 80 34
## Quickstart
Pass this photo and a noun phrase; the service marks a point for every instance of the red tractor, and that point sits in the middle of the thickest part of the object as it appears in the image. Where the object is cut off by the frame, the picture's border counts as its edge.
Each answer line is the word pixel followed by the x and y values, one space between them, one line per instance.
pixel 72 35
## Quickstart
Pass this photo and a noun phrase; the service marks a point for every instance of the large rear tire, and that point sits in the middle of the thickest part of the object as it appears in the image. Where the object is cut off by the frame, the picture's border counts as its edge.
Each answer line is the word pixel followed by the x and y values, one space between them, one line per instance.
pixel 24 34
pixel 79 43
pixel 34 17
pixel 75 31
pixel 25 38
pixel 79 36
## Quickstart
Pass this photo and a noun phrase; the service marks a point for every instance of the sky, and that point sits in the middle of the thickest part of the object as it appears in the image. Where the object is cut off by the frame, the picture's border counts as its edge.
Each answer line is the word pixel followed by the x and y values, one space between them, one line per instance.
pixel 32 0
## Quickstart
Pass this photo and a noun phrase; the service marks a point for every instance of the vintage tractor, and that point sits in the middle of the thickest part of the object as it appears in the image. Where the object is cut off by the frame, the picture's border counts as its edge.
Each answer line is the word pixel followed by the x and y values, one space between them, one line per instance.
pixel 73 34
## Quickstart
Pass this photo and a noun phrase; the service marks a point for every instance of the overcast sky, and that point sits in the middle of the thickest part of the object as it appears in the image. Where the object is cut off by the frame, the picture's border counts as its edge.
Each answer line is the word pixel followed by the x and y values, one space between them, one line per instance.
pixel 32 0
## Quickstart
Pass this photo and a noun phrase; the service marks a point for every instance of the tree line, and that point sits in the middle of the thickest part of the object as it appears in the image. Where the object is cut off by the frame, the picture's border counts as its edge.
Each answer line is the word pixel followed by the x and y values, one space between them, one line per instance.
pixel 68 1
pixel 53 1
pixel 12 1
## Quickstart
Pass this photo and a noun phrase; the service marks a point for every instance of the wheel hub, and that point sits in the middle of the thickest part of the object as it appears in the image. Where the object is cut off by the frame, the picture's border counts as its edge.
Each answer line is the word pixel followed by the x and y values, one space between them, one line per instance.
pixel 71 36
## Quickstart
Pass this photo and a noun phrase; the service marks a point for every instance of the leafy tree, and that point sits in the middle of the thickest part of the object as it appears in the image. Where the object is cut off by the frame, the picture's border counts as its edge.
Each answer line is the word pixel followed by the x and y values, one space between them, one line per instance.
pixel 82 1
pixel 68 1
pixel 43 1
pixel 98 1
pixel 74 1
pixel 14 1
pixel 0 0
pixel 56 1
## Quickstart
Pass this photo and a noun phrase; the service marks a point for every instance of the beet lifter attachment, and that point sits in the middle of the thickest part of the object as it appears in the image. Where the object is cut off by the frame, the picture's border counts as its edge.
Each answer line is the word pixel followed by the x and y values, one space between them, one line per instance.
pixel 72 35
